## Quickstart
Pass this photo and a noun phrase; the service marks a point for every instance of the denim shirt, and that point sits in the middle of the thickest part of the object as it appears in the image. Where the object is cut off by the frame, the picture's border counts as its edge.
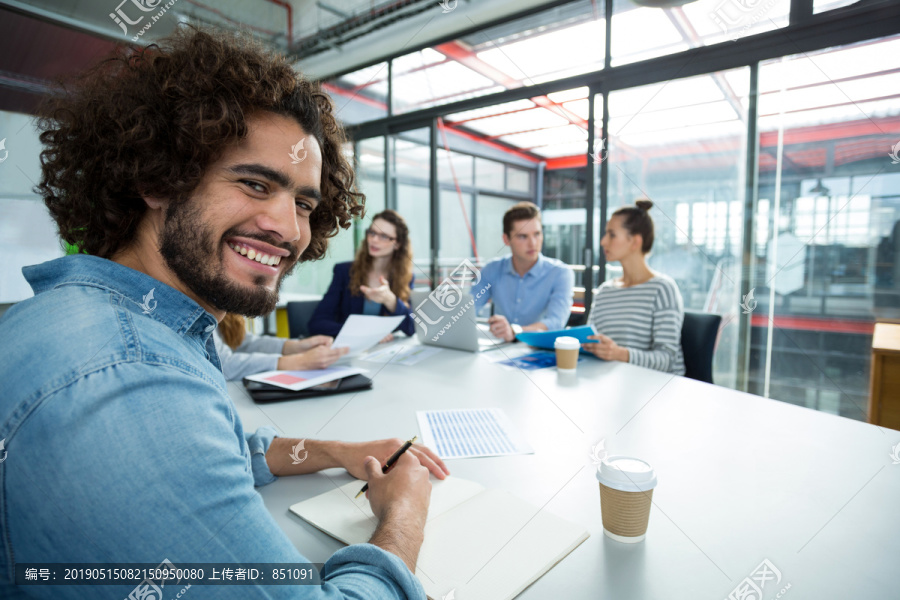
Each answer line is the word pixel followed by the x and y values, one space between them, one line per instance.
pixel 123 446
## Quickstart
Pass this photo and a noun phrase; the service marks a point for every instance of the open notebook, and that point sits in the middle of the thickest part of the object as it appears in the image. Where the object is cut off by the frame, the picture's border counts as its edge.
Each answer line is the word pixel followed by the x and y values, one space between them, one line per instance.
pixel 482 544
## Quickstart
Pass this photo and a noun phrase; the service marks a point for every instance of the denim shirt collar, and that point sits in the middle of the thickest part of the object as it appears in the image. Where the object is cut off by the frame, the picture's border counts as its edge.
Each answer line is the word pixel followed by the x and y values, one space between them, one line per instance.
pixel 148 295
pixel 534 271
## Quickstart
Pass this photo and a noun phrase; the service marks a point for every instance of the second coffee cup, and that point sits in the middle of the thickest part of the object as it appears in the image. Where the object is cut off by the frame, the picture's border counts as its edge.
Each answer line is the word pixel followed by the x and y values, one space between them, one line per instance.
pixel 626 493
pixel 567 349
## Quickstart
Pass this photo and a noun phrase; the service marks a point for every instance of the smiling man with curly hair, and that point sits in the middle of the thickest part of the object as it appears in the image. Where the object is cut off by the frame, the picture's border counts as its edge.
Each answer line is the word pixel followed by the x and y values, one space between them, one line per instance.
pixel 179 173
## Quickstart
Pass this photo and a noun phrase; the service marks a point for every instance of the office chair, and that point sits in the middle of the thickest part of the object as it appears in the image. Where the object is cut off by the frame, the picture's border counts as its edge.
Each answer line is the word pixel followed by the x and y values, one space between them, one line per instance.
pixel 576 319
pixel 298 314
pixel 698 342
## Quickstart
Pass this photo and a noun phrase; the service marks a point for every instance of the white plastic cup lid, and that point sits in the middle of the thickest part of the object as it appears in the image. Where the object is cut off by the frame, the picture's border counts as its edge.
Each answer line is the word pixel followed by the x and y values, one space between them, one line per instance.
pixel 565 342
pixel 626 474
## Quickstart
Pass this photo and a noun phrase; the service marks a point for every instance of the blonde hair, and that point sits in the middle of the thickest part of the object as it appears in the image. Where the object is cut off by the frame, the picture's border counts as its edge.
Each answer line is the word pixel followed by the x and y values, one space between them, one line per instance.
pixel 233 328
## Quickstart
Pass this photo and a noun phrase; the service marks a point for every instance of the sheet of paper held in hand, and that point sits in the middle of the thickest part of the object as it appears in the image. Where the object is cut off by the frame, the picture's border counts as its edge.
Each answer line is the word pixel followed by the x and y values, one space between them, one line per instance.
pixel 480 544
pixel 470 433
pixel 361 332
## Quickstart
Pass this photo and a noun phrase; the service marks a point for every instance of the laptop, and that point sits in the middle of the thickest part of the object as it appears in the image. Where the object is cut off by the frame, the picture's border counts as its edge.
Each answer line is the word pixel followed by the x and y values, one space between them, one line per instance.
pixel 450 321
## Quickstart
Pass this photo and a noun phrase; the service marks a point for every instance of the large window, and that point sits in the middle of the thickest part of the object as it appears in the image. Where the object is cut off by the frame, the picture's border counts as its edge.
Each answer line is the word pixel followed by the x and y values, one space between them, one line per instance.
pixel 819 253
pixel 455 176
pixel 827 226
pixel 411 181
pixel 476 187
pixel 642 32
pixel 361 95
pixel 682 144
pixel 370 174
pixel 825 5
pixel 560 42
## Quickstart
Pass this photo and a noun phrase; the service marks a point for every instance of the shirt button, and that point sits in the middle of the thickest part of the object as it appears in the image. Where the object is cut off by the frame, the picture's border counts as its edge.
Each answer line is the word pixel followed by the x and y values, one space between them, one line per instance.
pixel 210 328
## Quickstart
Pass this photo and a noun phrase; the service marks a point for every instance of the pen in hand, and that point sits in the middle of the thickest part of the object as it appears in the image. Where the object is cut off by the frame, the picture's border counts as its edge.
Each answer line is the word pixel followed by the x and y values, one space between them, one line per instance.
pixel 390 462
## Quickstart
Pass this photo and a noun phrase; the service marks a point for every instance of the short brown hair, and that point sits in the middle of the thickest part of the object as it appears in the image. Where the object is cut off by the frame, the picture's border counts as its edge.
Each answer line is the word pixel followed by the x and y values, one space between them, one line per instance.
pixel 637 221
pixel 523 211
pixel 150 121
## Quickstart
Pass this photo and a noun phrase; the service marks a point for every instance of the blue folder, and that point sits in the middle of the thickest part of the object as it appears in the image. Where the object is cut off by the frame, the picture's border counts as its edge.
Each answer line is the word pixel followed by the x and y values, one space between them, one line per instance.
pixel 545 339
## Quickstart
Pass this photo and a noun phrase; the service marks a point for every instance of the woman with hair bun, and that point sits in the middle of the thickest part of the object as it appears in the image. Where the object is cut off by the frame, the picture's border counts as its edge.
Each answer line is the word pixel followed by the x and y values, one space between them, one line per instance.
pixel 638 316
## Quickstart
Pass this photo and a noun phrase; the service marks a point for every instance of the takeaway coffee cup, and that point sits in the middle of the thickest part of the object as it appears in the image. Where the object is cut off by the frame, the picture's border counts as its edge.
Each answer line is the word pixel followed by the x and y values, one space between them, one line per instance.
pixel 626 488
pixel 566 353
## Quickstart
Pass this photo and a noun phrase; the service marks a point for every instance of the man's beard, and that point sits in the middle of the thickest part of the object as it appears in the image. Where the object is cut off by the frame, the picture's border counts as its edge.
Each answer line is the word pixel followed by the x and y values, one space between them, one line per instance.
pixel 191 251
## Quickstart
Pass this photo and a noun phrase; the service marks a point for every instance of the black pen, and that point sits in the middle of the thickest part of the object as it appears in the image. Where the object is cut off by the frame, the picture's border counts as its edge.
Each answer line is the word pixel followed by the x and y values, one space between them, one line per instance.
pixel 390 462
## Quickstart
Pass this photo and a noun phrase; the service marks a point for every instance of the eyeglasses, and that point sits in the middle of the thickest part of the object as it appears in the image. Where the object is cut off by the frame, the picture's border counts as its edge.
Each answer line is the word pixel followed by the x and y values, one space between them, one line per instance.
pixel 377 234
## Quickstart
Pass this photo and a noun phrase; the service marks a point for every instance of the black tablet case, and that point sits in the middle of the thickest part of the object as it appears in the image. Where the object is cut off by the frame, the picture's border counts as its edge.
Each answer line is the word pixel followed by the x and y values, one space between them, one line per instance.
pixel 264 392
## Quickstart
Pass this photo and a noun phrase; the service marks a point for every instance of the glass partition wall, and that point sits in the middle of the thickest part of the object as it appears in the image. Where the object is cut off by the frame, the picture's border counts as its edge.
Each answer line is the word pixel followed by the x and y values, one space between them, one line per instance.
pixel 682 144
pixel 777 204
pixel 827 226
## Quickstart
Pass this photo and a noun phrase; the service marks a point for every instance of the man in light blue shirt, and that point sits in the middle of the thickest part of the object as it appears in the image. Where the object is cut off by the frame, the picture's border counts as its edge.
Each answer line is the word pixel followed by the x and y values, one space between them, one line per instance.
pixel 178 171
pixel 530 292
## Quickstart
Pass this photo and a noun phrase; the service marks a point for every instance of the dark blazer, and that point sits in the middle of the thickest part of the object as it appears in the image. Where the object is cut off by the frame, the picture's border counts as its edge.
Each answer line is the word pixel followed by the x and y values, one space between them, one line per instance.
pixel 338 304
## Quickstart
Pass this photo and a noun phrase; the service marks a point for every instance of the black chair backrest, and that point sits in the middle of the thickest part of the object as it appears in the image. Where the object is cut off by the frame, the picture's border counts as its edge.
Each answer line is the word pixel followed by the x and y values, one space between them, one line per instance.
pixel 577 319
pixel 298 314
pixel 698 341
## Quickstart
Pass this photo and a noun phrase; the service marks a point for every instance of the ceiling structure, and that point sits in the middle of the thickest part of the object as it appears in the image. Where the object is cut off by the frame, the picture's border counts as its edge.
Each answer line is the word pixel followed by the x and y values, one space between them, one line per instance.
pixel 858 84
pixel 44 39
pixel 324 36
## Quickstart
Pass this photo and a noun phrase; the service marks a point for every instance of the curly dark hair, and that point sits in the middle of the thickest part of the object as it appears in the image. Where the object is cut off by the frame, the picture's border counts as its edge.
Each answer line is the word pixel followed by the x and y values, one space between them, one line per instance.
pixel 149 122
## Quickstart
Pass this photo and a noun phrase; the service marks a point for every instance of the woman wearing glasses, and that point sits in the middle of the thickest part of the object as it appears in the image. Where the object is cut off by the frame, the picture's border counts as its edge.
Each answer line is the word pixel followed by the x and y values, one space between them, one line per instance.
pixel 377 282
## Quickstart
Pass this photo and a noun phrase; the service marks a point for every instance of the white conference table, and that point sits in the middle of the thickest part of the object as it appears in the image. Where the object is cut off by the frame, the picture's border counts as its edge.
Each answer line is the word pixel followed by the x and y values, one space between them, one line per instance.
pixel 741 478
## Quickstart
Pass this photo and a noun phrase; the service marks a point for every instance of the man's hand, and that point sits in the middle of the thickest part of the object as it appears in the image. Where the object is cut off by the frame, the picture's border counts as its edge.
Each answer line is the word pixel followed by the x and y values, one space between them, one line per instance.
pixel 298 346
pixel 501 328
pixel 319 357
pixel 352 456
pixel 381 295
pixel 388 338
pixel 399 499
pixel 318 455
pixel 605 348
pixel 406 484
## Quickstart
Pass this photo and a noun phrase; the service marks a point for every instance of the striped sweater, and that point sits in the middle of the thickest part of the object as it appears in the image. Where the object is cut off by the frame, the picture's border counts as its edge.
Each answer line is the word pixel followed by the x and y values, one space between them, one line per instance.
pixel 646 319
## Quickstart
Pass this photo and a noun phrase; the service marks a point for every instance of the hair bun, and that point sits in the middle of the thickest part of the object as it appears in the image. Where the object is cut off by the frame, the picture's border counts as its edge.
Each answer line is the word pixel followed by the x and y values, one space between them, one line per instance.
pixel 644 204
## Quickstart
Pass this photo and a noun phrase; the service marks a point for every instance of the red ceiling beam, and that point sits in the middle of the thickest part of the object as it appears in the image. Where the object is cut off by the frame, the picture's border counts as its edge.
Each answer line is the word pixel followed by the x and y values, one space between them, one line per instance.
pixel 335 90
pixel 470 136
pixel 768 140
pixel 832 131
pixel 815 324
pixel 462 54
pixel 290 20
pixel 566 162
pixel 354 95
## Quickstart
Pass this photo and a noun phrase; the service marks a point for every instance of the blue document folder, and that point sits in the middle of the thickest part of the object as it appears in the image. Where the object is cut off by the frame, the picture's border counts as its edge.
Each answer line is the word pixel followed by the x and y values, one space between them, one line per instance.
pixel 545 339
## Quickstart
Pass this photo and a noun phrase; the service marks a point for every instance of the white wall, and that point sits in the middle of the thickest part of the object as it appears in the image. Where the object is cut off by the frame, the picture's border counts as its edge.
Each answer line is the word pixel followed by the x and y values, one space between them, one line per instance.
pixel 27 233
